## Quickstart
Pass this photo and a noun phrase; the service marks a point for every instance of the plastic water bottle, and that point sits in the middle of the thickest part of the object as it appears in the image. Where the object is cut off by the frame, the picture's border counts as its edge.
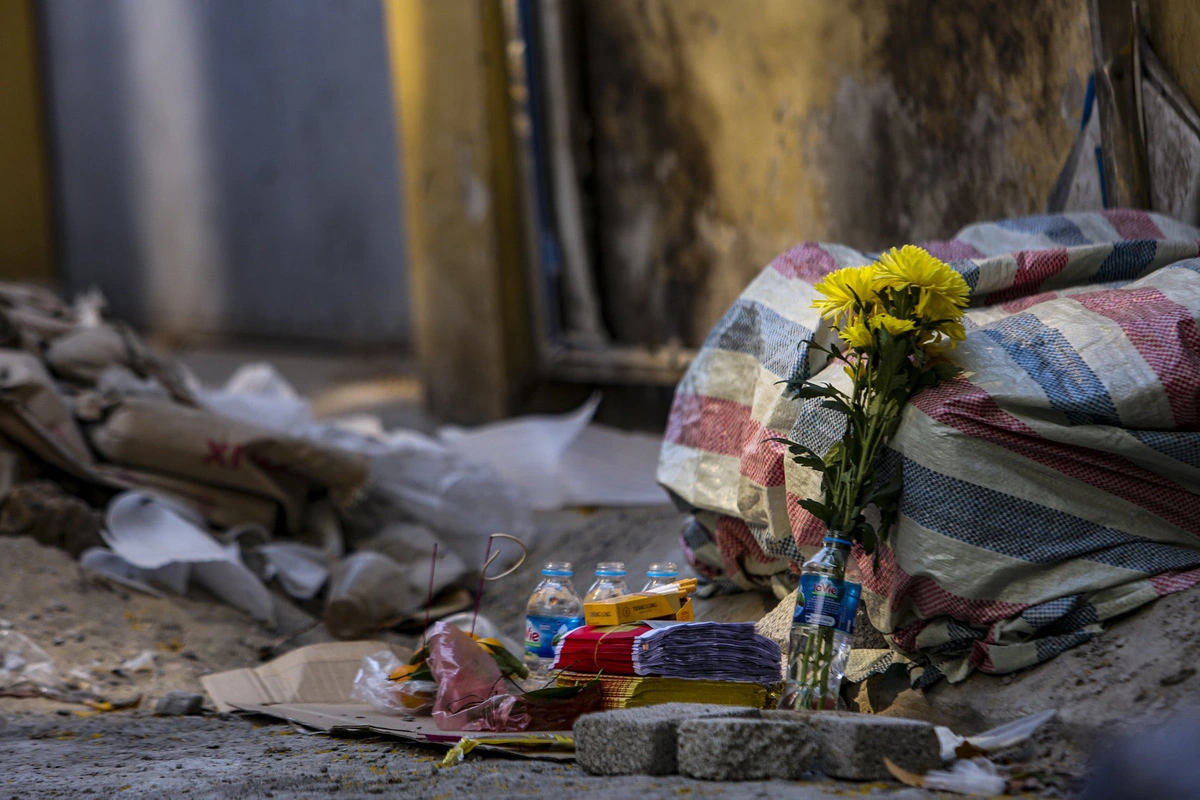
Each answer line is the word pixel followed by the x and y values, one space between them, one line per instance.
pixel 554 608
pixel 843 638
pixel 661 574
pixel 610 582
pixel 812 648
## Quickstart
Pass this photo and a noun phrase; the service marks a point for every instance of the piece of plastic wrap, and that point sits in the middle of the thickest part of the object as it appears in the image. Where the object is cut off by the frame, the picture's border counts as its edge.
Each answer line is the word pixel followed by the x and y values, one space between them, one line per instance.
pixel 371 685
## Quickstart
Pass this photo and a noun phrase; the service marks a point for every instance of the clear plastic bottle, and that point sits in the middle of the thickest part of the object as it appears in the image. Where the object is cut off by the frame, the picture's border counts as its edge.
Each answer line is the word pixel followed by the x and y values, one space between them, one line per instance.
pixel 811 650
pixel 843 639
pixel 554 608
pixel 610 582
pixel 663 573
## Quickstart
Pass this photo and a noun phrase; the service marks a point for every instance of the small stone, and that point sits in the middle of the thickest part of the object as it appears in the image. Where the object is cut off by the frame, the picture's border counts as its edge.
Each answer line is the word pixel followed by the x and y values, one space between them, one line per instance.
pixel 1178 677
pixel 640 741
pixel 59 641
pixel 745 749
pixel 179 704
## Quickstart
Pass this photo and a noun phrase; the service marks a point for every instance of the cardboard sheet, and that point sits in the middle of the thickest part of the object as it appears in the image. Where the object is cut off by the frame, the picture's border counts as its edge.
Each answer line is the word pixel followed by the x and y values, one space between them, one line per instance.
pixel 311 687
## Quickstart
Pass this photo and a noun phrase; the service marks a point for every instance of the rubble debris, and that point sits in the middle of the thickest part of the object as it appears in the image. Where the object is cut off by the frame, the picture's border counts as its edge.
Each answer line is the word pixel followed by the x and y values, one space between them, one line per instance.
pixel 179 704
pixel 152 534
pixel 43 510
pixel 744 749
pixel 641 741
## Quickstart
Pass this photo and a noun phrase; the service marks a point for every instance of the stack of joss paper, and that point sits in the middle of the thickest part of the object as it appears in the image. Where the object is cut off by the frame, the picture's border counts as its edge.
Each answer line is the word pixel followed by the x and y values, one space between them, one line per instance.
pixel 631 691
pixel 662 662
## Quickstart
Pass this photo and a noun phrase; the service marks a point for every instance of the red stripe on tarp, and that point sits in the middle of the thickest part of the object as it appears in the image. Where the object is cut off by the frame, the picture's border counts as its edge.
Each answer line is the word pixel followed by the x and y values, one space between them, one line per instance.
pixel 926 596
pixel 807 261
pixel 1133 224
pixel 735 541
pixel 726 427
pixel 709 424
pixel 951 250
pixel 1017 306
pixel 762 460
pixel 1033 268
pixel 1165 334
pixel 964 406
pixel 1175 581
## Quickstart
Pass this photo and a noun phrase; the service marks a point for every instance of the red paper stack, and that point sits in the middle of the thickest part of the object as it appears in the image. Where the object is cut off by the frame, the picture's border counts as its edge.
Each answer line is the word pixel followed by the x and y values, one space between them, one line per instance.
pixel 606 650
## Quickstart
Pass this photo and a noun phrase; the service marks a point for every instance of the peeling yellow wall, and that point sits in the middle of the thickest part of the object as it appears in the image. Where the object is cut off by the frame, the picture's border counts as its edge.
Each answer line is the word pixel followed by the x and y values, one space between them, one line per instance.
pixel 725 132
pixel 1173 27
pixel 25 251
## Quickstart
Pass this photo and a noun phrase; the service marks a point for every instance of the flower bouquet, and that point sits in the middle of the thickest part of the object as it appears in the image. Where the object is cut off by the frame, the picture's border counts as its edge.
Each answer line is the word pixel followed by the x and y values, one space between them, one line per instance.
pixel 894 317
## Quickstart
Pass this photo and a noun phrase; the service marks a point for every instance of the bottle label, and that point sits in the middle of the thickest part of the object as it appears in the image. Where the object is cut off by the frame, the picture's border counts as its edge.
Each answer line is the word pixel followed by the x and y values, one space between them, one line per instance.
pixel 542 633
pixel 850 594
pixel 819 601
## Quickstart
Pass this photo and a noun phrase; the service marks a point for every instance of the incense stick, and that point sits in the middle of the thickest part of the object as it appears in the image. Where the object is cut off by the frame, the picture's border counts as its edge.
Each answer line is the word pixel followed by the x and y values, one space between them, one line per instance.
pixel 429 598
pixel 479 593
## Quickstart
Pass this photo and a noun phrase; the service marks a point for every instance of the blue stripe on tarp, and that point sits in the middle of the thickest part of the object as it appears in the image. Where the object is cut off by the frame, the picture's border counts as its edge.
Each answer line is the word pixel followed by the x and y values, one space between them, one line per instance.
pixel 755 330
pixel 969 270
pixel 1025 530
pixel 1055 227
pixel 1048 357
pixel 1182 446
pixel 1127 261
pixel 1044 614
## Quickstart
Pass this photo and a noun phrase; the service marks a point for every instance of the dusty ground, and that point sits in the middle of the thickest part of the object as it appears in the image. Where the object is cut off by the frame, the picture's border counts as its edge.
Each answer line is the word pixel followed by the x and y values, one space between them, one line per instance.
pixel 52 749
pixel 52 756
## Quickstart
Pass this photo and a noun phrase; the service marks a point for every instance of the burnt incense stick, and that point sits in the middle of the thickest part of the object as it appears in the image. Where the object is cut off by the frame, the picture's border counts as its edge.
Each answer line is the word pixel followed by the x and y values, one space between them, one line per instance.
pixel 429 597
pixel 482 574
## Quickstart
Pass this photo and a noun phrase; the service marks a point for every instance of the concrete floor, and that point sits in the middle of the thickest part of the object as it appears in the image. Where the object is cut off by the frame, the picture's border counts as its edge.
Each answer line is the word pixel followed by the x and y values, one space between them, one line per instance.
pixel 131 756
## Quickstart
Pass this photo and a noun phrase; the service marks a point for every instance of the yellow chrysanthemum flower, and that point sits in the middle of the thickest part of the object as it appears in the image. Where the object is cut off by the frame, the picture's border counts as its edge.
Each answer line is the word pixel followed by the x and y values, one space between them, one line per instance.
pixel 953 331
pixel 847 291
pixel 893 325
pixel 856 334
pixel 943 292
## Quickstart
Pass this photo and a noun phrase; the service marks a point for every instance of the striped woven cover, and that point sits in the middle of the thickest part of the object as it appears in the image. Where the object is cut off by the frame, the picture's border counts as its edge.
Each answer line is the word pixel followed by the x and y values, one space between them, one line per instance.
pixel 1052 486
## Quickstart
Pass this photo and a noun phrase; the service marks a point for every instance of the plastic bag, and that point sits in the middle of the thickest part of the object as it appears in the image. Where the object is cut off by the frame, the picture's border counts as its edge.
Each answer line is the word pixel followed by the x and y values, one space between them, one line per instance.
pixel 371 685
pixel 474 696
pixel 25 667
pixel 371 593
pixel 464 501
pixel 977 776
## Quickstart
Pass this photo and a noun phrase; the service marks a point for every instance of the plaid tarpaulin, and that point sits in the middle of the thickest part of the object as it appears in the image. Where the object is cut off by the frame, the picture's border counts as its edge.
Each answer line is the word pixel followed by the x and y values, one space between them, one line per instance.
pixel 1052 486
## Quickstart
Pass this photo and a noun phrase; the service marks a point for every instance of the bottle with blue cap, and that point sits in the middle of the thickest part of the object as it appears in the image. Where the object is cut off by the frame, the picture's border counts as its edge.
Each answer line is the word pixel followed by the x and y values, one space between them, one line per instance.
pixel 610 582
pixel 554 608
pixel 662 573
pixel 826 605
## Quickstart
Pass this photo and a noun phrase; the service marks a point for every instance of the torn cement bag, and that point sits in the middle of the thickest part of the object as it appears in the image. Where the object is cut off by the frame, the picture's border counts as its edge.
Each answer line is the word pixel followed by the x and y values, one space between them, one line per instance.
pixel 85 353
pixel 34 415
pixel 207 448
pixel 221 508
pixel 152 534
